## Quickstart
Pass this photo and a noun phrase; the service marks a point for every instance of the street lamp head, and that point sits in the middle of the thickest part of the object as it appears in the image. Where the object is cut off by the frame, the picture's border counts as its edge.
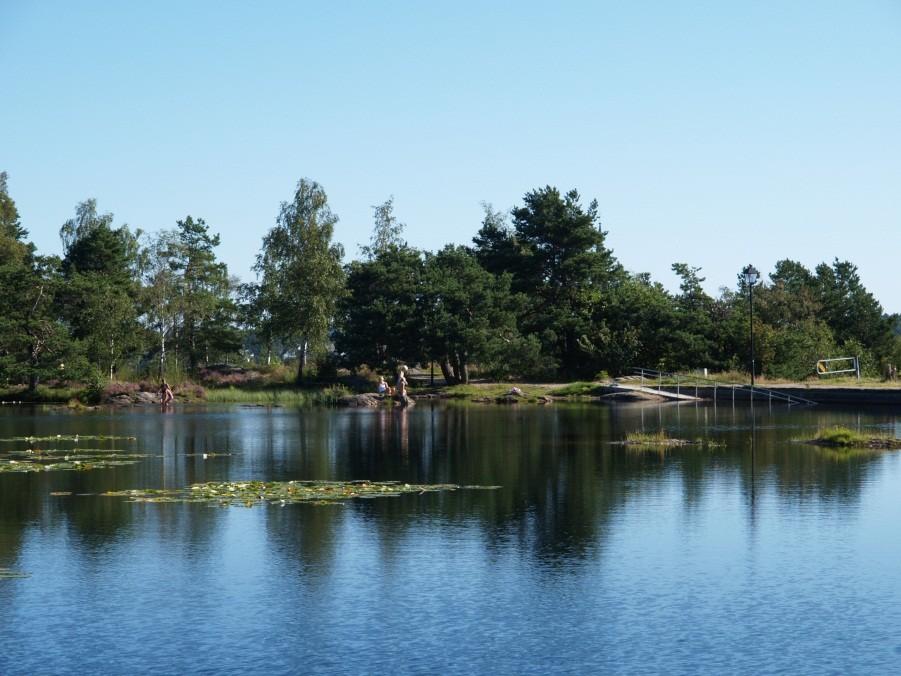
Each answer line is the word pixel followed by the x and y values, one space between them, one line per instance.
pixel 751 275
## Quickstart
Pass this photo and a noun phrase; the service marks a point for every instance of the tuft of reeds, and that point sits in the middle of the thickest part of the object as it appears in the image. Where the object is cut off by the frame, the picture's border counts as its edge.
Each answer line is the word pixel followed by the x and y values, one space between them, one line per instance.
pixel 276 396
pixel 658 437
pixel 845 438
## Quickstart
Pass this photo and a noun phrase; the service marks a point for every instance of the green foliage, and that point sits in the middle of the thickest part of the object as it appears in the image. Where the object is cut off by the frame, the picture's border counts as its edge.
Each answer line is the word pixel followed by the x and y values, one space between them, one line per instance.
pixel 565 270
pixel 380 320
pixel 98 299
pixel 159 293
pixel 276 396
pixel 631 326
pixel 469 314
pixel 34 344
pixel 10 226
pixel 300 267
pixel 387 231
pixel 539 296
pixel 850 310
pixel 841 436
pixel 204 294
pixel 93 388
pixel 791 352
pixel 846 438
pixel 517 356
pixel 574 389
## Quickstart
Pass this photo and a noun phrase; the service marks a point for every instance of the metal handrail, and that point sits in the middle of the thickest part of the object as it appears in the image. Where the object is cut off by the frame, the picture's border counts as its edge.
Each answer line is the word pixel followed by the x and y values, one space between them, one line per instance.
pixel 654 374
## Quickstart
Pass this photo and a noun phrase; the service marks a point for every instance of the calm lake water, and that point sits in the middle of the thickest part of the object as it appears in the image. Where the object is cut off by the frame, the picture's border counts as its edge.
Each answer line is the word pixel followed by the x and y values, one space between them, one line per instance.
pixel 760 556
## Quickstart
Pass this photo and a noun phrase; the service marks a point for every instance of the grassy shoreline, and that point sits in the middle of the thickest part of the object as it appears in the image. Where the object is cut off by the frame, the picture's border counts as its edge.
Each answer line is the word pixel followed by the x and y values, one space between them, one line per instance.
pixel 329 394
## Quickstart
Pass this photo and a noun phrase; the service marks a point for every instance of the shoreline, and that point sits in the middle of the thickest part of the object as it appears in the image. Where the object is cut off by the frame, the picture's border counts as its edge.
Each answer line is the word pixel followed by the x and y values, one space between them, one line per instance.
pixel 339 394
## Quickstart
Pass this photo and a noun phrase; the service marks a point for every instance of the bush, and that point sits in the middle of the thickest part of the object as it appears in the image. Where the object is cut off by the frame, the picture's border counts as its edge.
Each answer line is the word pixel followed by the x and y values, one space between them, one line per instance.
pixel 116 388
pixel 841 436
pixel 93 388
pixel 189 390
pixel 229 377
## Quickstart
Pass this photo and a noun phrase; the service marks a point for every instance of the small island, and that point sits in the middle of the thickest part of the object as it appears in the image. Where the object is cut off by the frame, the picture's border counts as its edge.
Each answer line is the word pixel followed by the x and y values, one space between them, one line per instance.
pixel 839 437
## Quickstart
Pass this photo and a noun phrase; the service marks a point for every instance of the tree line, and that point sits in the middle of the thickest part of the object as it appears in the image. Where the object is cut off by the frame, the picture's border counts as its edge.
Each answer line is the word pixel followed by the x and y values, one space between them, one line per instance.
pixel 538 294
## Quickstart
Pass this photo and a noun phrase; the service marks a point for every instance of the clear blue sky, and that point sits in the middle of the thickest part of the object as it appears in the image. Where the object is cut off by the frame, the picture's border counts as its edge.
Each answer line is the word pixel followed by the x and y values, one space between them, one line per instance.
pixel 714 133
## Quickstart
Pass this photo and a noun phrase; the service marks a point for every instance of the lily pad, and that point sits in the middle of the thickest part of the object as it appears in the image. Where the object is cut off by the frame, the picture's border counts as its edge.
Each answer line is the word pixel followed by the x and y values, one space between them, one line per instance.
pixel 71 437
pixel 251 493
pixel 77 465
pixel 205 456
pixel 7 574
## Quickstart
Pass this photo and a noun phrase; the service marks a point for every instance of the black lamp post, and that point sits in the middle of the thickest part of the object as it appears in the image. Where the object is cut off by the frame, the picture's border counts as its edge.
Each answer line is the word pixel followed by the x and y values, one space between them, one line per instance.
pixel 751 275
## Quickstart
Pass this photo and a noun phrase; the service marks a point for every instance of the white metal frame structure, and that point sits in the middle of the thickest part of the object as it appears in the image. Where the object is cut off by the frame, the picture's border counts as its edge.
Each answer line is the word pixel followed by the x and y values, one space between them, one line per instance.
pixel 823 368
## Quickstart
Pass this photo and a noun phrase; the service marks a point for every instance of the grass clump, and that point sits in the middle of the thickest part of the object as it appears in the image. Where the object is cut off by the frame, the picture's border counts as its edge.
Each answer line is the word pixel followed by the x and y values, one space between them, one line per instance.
pixel 276 396
pixel 42 395
pixel 846 438
pixel 651 438
pixel 476 391
pixel 660 440
pixel 574 389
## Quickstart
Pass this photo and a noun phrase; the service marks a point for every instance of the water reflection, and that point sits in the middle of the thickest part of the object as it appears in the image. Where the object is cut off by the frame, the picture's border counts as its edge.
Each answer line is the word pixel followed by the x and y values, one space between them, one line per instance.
pixel 584 535
pixel 561 478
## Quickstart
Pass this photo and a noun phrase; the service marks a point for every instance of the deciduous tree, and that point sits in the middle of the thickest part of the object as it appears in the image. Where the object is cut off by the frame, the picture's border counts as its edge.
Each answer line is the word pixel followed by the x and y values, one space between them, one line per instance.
pixel 300 270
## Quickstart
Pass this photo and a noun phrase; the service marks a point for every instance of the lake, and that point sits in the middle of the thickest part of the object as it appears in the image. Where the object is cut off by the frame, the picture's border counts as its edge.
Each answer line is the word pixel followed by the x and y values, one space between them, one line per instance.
pixel 757 555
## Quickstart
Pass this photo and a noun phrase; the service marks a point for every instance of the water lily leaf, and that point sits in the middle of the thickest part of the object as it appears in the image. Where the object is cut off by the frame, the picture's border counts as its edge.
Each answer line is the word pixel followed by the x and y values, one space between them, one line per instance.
pixel 251 493
pixel 7 574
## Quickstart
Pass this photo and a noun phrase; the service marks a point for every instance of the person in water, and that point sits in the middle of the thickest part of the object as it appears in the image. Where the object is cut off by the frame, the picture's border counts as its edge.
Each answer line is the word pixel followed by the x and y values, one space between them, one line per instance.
pixel 166 396
pixel 400 389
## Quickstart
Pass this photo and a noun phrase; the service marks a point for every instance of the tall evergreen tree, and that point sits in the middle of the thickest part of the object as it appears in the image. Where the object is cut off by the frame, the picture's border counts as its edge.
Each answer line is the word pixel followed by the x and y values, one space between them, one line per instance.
pixel 469 315
pixel 204 292
pixel 98 301
pixel 34 345
pixel 852 312
pixel 10 226
pixel 379 322
pixel 564 268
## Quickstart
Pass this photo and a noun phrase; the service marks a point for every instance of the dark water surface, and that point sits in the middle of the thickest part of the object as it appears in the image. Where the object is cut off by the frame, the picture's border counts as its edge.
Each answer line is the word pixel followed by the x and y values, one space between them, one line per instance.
pixel 762 556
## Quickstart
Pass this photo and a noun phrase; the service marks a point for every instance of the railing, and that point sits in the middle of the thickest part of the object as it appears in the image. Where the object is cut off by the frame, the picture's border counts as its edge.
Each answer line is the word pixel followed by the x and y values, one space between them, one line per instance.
pixel 655 376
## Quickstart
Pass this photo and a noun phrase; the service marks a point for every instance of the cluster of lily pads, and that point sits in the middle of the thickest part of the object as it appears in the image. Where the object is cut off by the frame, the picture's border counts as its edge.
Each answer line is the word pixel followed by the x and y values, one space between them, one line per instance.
pixel 37 459
pixel 7 574
pixel 71 437
pixel 251 493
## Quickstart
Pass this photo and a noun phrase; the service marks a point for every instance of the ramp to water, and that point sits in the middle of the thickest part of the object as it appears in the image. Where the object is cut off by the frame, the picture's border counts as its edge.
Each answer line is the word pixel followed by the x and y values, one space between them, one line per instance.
pixel 645 375
pixel 665 394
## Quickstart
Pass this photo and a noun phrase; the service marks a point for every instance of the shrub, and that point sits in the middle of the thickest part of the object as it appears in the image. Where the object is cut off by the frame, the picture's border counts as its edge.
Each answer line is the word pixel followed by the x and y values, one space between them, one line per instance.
pixel 189 390
pixel 116 388
pixel 93 388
